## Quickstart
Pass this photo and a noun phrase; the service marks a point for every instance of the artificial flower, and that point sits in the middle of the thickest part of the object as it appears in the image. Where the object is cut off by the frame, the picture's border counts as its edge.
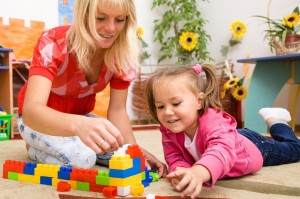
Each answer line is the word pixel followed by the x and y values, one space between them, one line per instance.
pixel 239 93
pixel 238 29
pixel 231 83
pixel 188 41
pixel 291 20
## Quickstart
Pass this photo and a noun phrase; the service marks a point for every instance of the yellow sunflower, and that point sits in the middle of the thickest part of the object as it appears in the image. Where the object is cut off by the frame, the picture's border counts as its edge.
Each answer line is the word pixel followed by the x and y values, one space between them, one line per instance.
pixel 140 32
pixel 291 20
pixel 231 83
pixel 238 29
pixel 188 41
pixel 239 93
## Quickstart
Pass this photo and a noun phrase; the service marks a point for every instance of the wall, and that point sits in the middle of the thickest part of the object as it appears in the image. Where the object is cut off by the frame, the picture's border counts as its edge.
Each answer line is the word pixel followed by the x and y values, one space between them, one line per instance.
pixel 219 14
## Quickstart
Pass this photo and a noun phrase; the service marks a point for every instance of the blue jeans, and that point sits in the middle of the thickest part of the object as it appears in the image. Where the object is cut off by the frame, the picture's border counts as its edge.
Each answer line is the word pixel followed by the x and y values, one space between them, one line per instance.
pixel 282 148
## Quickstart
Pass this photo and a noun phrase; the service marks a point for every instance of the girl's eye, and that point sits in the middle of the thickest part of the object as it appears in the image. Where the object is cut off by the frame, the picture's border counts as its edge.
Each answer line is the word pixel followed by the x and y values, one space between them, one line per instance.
pixel 177 104
pixel 159 107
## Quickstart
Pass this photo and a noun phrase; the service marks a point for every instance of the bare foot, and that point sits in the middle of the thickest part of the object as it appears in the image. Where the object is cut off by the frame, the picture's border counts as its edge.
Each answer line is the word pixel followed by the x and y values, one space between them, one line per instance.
pixel 27 146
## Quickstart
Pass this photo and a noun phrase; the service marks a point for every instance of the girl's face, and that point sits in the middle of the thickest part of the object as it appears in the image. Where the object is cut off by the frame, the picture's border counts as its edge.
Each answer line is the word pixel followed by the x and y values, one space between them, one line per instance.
pixel 109 24
pixel 177 106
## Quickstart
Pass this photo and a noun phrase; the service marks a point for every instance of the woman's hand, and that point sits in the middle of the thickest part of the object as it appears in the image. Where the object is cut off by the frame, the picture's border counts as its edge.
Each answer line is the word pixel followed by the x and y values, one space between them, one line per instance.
pixel 189 180
pixel 98 133
pixel 155 164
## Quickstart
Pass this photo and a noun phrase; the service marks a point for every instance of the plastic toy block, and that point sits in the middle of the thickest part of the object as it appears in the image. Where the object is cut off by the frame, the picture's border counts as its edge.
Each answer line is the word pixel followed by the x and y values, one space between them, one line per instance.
pixel 84 175
pixel 103 178
pixel 55 181
pixel 137 189
pixel 83 186
pixel 155 176
pixel 135 169
pixel 123 191
pixel 63 186
pixel 123 182
pixel 13 176
pixel 110 192
pixel 120 162
pixel 47 170
pixel 29 178
pixel 154 196
pixel 145 183
pixel 13 166
pixel 161 197
pixel 64 173
pixel 97 188
pixel 29 168
pixel 134 151
pixel 46 180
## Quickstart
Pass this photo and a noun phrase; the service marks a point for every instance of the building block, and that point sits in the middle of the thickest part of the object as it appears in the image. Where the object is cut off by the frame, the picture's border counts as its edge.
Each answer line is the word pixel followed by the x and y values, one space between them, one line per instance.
pixel 64 173
pixel 123 191
pixel 97 188
pixel 123 182
pixel 13 166
pixel 29 168
pixel 46 180
pixel 134 151
pixel 83 186
pixel 29 178
pixel 55 181
pixel 110 192
pixel 103 178
pixel 137 189
pixel 13 176
pixel 154 175
pixel 120 162
pixel 84 175
pixel 63 186
pixel 47 170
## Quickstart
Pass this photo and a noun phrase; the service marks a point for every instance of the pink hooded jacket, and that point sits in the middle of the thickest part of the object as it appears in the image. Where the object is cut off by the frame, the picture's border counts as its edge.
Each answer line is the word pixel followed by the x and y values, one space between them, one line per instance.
pixel 224 152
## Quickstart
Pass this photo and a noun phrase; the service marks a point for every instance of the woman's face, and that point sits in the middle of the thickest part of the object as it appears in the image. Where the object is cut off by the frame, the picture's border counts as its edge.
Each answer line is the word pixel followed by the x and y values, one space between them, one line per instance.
pixel 109 24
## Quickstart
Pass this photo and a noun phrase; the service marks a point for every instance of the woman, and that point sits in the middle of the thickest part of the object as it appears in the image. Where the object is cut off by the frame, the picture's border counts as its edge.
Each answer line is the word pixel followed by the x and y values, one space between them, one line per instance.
pixel 70 65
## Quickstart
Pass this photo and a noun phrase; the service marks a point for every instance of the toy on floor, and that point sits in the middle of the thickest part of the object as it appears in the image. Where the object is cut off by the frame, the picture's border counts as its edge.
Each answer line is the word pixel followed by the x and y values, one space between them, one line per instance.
pixel 127 174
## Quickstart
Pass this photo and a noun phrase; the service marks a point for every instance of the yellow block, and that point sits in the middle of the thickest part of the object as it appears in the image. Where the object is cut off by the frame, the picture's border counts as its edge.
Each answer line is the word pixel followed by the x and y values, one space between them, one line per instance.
pixel 123 182
pixel 29 178
pixel 120 162
pixel 47 170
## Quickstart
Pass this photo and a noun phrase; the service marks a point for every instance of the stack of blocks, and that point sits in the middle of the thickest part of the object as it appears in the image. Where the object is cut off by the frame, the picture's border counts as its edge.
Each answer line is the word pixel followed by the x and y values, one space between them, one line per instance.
pixel 127 174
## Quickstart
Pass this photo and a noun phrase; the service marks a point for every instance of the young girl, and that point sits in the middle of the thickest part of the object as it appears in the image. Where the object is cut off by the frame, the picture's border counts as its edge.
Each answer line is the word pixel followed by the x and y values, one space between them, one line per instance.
pixel 200 141
pixel 70 65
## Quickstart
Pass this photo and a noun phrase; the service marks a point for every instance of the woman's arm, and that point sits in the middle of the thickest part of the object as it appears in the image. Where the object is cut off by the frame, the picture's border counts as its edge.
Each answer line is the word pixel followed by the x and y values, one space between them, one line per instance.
pixel 38 116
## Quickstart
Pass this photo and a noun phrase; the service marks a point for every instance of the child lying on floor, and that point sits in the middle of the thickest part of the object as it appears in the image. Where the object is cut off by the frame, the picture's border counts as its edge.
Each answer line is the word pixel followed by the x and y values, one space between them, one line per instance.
pixel 200 141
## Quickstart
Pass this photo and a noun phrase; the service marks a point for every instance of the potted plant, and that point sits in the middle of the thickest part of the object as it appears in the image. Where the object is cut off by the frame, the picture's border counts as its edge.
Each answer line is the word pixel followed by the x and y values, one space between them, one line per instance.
pixel 180 31
pixel 283 33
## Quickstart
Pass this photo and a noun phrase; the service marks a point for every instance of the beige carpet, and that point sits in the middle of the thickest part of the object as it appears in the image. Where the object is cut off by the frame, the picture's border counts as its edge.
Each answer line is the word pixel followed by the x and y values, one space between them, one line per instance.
pixel 270 182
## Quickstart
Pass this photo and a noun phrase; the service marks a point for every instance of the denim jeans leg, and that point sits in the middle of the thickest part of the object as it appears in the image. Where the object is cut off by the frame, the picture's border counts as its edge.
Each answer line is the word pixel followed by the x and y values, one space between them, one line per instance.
pixel 282 149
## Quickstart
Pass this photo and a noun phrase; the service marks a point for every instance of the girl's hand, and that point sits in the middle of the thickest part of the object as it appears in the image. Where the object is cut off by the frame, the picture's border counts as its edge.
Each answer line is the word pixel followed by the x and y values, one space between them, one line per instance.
pixel 189 180
pixel 98 133
pixel 155 164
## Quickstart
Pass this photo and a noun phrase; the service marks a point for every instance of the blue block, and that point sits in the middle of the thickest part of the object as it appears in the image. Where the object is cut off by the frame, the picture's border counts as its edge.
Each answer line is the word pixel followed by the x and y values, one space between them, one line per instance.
pixel 64 173
pixel 29 168
pixel 135 169
pixel 46 180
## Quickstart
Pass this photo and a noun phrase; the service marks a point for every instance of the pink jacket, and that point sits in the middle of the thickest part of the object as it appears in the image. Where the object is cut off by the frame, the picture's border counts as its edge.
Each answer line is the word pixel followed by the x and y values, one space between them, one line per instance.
pixel 224 152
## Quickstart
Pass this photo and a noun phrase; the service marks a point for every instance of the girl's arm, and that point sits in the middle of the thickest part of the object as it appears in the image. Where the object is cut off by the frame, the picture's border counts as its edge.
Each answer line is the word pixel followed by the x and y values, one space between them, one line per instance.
pixel 117 114
pixel 38 116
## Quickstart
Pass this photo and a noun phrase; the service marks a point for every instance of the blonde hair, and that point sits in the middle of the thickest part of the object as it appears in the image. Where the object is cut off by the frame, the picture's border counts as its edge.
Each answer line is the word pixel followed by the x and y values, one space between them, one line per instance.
pixel 209 85
pixel 125 50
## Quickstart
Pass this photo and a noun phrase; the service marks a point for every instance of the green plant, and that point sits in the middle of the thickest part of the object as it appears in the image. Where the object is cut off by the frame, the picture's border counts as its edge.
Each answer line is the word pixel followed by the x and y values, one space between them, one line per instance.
pixel 144 54
pixel 279 28
pixel 180 31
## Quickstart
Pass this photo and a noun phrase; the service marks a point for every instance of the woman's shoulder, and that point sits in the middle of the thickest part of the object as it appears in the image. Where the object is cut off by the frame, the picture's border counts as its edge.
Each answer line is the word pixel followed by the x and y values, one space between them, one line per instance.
pixel 56 32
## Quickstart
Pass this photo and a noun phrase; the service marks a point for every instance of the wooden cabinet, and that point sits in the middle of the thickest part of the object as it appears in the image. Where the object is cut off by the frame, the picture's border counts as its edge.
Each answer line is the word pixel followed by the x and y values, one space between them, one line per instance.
pixel 6 83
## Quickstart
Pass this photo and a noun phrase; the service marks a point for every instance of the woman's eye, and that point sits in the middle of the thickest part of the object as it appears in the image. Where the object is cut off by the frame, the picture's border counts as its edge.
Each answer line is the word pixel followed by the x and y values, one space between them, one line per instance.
pixel 120 20
pixel 100 18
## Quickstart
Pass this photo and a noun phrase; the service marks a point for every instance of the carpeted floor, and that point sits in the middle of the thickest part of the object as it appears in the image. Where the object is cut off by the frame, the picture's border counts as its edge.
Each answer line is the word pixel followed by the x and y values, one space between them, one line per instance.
pixel 271 182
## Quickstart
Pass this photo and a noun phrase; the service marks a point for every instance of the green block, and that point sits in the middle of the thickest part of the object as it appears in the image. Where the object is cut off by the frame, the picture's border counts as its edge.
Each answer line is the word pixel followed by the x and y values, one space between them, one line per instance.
pixel 83 186
pixel 13 176
pixel 102 178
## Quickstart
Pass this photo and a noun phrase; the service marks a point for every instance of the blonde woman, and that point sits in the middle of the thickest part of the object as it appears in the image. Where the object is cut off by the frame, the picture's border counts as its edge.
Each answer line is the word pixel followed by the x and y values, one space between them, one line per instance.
pixel 70 65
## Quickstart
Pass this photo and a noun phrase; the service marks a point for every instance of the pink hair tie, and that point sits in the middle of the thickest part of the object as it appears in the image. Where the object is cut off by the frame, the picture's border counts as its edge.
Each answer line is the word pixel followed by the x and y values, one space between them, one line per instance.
pixel 197 68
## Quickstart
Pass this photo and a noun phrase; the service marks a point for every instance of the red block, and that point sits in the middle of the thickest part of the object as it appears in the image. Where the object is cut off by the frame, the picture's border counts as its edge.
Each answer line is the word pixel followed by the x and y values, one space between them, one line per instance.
pixel 84 175
pixel 97 188
pixel 63 186
pixel 134 151
pixel 13 166
pixel 110 192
